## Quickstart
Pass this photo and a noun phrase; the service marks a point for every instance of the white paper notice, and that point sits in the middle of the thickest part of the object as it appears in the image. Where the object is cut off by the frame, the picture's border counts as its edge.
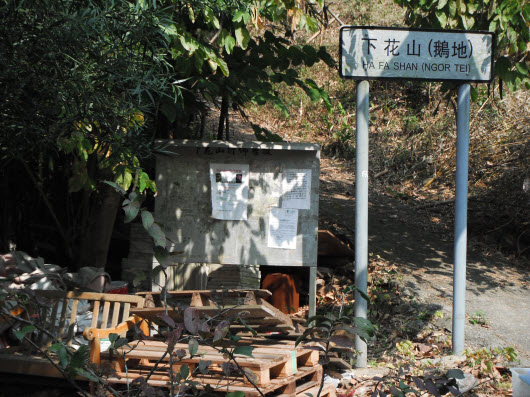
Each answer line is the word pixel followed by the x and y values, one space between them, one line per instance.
pixel 296 189
pixel 229 191
pixel 283 226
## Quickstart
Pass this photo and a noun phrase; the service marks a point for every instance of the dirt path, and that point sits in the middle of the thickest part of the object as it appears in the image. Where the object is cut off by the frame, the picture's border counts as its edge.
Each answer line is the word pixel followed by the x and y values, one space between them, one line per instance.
pixel 422 250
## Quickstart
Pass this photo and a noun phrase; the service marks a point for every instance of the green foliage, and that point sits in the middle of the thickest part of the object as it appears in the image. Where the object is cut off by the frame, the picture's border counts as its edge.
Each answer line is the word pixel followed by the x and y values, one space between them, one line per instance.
pixel 403 384
pixel 486 359
pixel 87 86
pixel 478 318
pixel 508 19
pixel 21 334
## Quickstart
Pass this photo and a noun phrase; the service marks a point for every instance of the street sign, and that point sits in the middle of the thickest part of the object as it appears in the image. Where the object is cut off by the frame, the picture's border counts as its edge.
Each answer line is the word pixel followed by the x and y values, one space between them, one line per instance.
pixel 369 53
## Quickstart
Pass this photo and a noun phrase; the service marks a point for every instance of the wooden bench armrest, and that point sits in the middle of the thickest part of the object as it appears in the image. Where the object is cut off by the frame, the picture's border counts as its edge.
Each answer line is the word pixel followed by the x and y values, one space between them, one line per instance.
pixel 92 333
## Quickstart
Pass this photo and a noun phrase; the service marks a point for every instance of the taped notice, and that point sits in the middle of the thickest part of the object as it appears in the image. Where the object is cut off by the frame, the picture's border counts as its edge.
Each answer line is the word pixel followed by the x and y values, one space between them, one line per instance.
pixel 296 189
pixel 229 184
pixel 283 227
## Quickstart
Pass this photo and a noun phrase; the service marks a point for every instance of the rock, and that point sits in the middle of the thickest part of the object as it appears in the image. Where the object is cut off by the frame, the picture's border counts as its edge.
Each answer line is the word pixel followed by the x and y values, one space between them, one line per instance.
pixel 467 383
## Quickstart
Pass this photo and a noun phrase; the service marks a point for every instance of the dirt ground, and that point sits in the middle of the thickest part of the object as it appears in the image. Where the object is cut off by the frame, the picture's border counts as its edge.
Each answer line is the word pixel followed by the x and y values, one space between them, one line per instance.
pixel 421 247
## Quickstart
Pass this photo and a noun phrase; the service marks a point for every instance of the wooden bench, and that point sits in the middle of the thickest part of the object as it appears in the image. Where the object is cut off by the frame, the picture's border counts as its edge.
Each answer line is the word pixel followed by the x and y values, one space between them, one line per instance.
pixel 57 315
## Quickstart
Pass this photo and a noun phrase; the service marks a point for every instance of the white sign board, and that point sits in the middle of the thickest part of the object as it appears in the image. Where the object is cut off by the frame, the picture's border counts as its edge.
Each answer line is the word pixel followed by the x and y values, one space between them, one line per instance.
pixel 390 53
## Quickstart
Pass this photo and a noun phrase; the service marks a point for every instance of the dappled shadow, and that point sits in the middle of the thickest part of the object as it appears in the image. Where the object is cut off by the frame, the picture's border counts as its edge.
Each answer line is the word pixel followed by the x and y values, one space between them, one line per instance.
pixel 236 230
pixel 402 235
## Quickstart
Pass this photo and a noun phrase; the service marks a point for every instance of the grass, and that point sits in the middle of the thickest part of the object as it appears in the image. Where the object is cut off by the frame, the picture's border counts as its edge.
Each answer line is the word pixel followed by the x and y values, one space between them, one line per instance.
pixel 413 134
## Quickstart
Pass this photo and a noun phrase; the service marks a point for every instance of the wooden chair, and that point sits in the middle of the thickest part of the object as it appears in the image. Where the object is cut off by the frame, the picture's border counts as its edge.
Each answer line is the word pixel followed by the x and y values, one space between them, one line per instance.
pixel 110 313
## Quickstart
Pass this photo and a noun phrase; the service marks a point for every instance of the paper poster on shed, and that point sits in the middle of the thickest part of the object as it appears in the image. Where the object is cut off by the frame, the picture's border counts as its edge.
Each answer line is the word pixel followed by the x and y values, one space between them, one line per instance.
pixel 296 189
pixel 229 186
pixel 283 228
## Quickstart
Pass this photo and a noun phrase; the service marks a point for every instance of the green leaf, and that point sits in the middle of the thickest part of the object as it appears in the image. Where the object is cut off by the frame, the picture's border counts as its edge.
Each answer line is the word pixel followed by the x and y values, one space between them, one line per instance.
pixel 131 210
pixel 125 179
pixel 221 330
pixel 184 371
pixel 211 18
pixel 189 43
pixel 147 219
pixel 167 319
pixel 143 180
pixel 235 394
pixel 244 350
pixel 162 256
pixel 242 37
pixel 246 17
pixel 158 235
pixel 62 354
pixel 191 320
pixel 20 334
pixel 79 358
pixel 441 4
pixel 452 8
pixel 238 16
pixel 442 18
pixel 223 66
pixel 203 366
pixel 85 374
pixel 364 328
pixel 229 44
pixel 193 346
pixel 311 55
pixel 522 68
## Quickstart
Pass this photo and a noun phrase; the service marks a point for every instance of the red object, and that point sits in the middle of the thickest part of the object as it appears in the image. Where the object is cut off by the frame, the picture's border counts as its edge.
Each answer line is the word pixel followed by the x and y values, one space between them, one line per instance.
pixel 118 287
pixel 285 296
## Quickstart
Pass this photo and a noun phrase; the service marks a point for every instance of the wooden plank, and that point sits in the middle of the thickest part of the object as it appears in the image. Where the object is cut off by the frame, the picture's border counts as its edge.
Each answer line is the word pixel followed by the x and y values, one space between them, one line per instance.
pixel 126 311
pixel 151 314
pixel 29 365
pixel 62 320
pixel 95 314
pixel 115 314
pixel 91 296
pixel 105 314
pixel 71 322
pixel 261 293
pixel 231 384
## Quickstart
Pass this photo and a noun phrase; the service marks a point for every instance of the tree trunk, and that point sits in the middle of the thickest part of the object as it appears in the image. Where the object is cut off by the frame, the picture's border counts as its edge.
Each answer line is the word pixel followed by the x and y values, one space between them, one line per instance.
pixel 222 117
pixel 94 246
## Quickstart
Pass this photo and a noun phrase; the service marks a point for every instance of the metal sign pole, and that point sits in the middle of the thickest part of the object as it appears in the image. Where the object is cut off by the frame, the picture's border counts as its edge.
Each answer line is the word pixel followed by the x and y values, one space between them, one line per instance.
pixel 376 53
pixel 459 276
pixel 361 213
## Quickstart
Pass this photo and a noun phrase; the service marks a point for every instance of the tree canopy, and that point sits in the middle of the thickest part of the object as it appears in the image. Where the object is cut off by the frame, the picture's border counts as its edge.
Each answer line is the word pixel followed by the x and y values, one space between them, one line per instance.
pixel 86 85
pixel 508 19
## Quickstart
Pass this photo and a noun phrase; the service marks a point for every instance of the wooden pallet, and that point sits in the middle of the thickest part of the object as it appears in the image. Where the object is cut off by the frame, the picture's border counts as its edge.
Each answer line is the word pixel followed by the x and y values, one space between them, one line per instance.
pixel 259 314
pixel 327 391
pixel 306 378
pixel 276 366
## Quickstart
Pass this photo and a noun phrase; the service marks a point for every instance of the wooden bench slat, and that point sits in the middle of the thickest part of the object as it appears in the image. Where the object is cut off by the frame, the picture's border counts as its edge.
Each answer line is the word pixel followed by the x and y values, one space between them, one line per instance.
pixel 95 314
pixel 62 320
pixel 72 321
pixel 126 311
pixel 115 314
pixel 105 315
